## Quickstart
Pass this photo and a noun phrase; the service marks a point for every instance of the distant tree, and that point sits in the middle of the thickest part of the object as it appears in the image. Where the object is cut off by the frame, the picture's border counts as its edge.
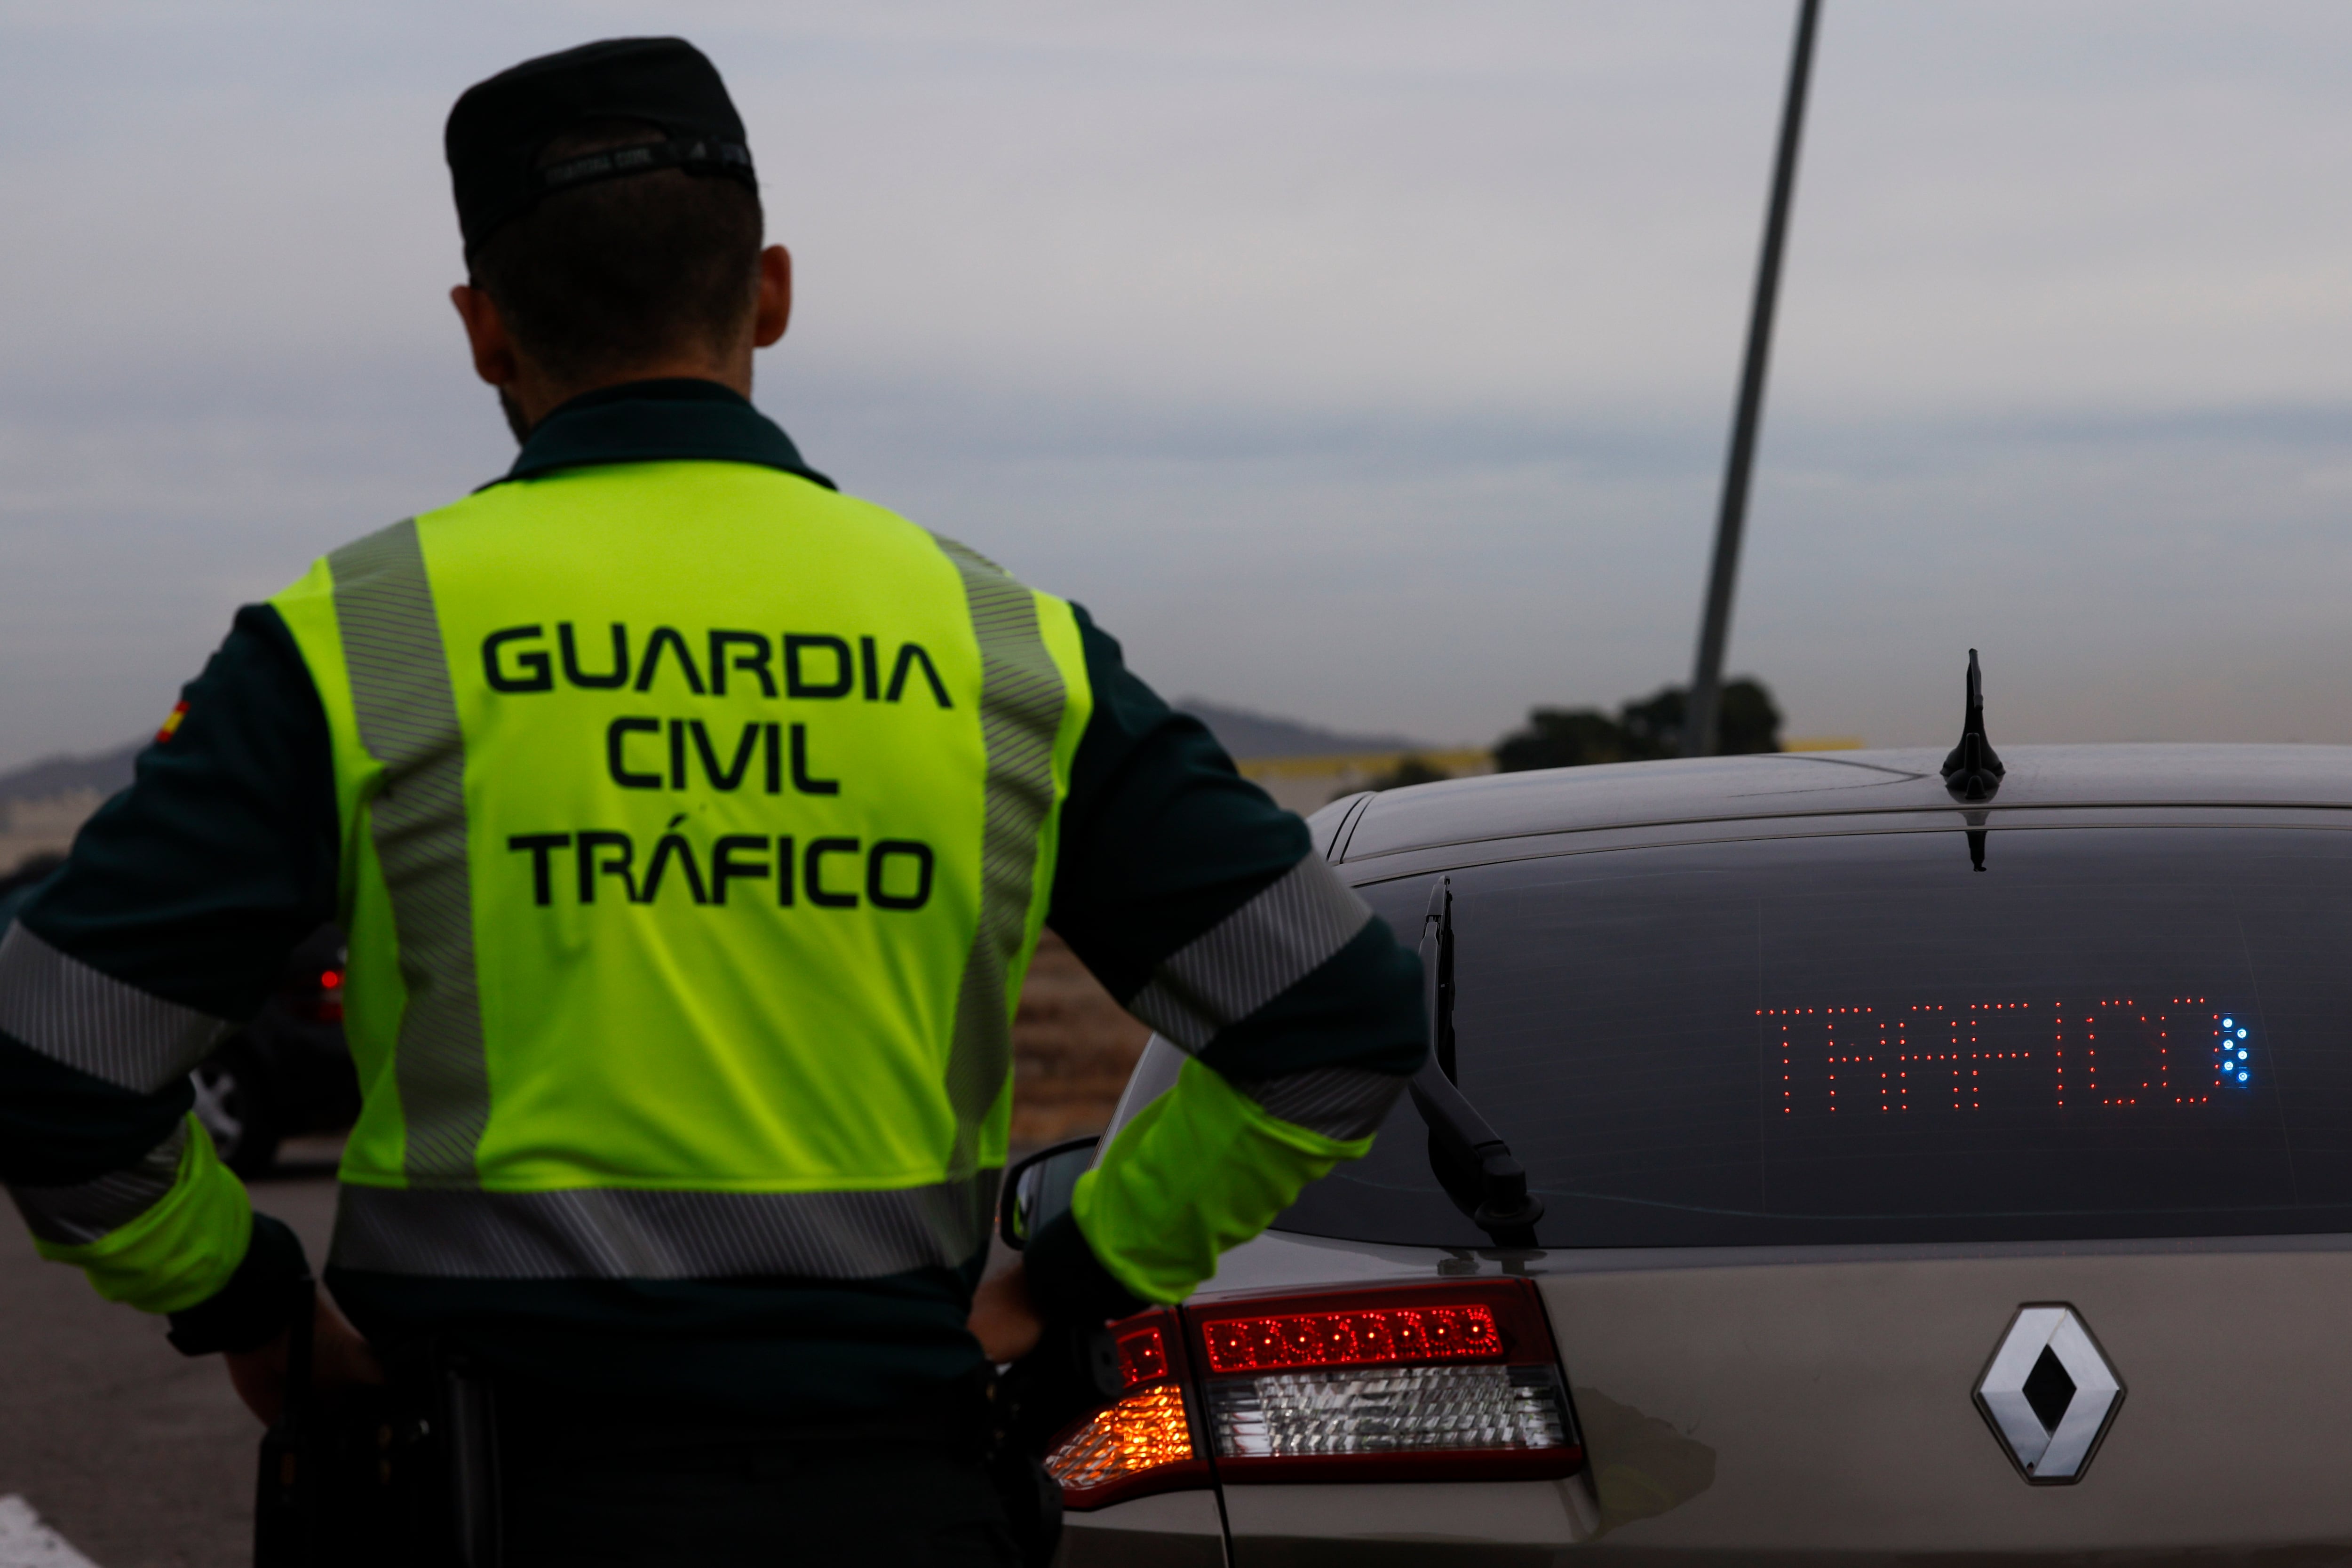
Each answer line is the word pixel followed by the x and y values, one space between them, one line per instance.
pixel 1746 722
pixel 1654 728
pixel 1561 738
pixel 1409 771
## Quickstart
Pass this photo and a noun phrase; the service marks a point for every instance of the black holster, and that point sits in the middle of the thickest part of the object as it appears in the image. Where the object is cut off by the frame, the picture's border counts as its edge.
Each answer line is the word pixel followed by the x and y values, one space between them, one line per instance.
pixel 1072 1373
pixel 402 1476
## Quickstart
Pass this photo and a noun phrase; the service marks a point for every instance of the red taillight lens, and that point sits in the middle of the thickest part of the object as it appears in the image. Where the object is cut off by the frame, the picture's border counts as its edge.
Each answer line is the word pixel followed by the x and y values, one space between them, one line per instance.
pixel 1143 1442
pixel 1353 1339
pixel 1429 1382
pixel 1143 1355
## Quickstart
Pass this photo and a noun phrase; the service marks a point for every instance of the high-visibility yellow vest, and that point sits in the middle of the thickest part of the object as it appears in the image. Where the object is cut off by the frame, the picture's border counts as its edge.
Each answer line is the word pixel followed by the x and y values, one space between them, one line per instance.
pixel 698 825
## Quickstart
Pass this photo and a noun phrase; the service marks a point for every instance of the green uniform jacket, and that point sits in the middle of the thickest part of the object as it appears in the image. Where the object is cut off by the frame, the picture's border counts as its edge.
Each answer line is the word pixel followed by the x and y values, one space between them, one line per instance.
pixel 693 826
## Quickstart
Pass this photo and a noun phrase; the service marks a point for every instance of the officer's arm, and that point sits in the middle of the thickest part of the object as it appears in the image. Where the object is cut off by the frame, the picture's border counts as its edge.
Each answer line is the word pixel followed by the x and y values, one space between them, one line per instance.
pixel 1204 908
pixel 175 911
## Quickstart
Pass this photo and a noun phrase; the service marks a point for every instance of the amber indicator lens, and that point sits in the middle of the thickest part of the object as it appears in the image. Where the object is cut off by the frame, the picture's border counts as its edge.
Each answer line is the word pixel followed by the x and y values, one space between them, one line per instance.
pixel 1142 1432
pixel 1353 1338
pixel 1143 1442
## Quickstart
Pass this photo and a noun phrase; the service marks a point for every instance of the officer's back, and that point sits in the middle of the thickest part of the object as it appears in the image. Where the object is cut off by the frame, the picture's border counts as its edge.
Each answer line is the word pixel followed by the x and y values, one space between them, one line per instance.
pixel 693 824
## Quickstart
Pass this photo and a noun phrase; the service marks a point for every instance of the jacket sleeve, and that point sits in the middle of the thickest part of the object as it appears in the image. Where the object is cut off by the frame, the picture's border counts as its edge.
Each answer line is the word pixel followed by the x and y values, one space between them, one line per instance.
pixel 1203 909
pixel 173 914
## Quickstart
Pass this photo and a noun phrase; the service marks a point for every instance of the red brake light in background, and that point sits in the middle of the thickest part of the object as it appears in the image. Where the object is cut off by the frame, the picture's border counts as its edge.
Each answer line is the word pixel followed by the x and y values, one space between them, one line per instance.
pixel 327 1006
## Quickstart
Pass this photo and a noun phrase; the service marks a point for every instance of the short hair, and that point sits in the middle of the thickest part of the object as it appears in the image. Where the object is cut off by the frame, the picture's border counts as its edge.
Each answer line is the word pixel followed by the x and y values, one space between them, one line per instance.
pixel 625 272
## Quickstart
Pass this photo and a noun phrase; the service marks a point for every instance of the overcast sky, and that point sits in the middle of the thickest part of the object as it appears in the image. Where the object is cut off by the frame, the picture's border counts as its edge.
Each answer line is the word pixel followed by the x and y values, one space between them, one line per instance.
pixel 1365 362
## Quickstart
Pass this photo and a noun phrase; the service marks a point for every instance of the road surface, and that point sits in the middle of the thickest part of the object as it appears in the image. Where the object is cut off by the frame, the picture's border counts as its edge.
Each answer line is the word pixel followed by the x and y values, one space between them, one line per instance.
pixel 136 1455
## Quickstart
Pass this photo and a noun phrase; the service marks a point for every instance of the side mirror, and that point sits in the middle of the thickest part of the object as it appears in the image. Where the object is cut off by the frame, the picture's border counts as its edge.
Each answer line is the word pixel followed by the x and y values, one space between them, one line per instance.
pixel 1037 1190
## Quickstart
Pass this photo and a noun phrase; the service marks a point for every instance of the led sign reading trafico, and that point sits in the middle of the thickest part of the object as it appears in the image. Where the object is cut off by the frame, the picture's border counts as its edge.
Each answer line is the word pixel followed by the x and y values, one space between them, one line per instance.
pixel 1926 1057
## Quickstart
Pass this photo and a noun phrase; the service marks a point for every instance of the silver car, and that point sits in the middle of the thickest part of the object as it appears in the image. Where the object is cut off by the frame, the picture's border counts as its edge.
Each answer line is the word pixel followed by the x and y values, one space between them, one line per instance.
pixel 1819 1161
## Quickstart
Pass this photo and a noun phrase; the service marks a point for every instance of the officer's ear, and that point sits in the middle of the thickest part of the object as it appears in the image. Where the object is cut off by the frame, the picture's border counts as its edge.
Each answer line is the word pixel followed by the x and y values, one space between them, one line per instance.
pixel 485 331
pixel 775 311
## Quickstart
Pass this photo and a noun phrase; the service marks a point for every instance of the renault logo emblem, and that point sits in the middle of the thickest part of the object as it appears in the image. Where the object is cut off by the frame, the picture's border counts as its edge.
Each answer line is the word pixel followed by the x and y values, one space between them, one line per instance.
pixel 2048 1394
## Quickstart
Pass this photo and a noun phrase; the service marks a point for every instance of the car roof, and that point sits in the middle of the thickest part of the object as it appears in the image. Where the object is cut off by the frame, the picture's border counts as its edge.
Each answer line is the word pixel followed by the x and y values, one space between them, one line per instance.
pixel 1788 793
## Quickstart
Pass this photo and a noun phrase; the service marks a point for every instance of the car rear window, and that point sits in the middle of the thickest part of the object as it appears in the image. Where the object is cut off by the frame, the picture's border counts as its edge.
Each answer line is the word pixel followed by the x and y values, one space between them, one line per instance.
pixel 2106 1033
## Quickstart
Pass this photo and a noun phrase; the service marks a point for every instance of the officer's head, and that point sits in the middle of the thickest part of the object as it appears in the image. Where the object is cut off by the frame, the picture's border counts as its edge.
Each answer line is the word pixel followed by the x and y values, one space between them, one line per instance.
pixel 612 225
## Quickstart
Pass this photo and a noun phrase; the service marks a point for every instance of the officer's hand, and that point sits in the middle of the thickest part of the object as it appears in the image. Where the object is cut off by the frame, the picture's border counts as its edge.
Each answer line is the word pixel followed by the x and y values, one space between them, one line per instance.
pixel 339 1358
pixel 1002 1319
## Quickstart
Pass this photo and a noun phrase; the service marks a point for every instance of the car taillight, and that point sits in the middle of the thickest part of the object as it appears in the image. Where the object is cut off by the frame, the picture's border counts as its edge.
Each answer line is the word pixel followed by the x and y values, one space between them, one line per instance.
pixel 327 1006
pixel 1429 1382
pixel 1143 1441
pixel 1408 1383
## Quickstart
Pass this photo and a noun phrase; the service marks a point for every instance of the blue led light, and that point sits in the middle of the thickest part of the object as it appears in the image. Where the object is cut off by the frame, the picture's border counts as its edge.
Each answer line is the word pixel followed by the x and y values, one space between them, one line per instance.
pixel 2242 1078
pixel 2228 1023
pixel 2242 1034
pixel 2241 1056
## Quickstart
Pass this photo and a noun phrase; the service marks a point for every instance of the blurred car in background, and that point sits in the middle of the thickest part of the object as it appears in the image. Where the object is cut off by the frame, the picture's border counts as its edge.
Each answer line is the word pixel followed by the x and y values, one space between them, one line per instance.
pixel 288 1071
pixel 284 1072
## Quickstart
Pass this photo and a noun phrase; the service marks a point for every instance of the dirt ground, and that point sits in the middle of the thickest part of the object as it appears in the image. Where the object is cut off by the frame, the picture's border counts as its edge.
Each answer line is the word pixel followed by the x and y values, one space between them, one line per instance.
pixel 1073 1048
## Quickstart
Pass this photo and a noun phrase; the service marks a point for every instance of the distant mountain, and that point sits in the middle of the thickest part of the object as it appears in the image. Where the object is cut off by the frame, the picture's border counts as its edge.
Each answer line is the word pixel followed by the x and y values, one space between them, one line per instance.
pixel 105 773
pixel 1246 734
pixel 1240 732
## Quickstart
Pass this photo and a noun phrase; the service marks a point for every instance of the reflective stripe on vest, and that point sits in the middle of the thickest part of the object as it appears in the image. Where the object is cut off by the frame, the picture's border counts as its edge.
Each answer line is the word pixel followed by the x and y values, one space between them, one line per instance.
pixel 406 717
pixel 613 1233
pixel 699 824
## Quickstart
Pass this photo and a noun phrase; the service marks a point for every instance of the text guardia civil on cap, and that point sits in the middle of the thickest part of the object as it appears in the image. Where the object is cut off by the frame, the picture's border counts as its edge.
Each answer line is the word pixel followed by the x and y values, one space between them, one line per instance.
pixel 499 127
pixel 2048 1394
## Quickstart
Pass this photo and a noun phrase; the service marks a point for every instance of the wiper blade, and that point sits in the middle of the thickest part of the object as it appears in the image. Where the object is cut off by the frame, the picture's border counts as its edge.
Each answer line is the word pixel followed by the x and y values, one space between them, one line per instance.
pixel 1474 1164
pixel 1471 1159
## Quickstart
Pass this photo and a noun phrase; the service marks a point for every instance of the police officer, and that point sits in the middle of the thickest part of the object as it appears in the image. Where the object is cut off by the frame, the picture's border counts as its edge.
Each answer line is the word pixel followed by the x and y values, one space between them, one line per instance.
pixel 693 824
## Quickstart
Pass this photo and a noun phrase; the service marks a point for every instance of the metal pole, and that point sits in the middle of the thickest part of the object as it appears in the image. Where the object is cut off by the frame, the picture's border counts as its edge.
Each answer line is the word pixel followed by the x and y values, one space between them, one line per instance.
pixel 1707 680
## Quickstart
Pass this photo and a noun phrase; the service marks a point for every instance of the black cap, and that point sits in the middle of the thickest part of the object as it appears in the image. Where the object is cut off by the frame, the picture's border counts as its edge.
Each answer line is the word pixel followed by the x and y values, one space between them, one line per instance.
pixel 499 128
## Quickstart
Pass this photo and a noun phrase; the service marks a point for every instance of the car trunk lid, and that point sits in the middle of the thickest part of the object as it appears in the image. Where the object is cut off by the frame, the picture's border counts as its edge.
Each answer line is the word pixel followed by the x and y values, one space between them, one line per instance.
pixel 1827 1405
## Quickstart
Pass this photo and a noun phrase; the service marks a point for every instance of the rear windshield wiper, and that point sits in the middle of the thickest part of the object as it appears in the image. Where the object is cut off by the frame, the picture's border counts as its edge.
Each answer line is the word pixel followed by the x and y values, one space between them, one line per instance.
pixel 1472 1163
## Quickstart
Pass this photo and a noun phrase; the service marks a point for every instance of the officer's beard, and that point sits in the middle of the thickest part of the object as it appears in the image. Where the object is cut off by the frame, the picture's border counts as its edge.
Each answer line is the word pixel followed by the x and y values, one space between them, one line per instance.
pixel 515 421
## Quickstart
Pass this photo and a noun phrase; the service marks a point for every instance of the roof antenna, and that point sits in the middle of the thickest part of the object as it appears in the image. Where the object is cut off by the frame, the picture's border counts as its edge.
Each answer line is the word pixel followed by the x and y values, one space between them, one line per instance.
pixel 1973 771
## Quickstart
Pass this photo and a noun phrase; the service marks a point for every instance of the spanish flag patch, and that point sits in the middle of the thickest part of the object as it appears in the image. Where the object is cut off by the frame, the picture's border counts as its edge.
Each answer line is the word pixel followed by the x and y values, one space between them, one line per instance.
pixel 171 724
